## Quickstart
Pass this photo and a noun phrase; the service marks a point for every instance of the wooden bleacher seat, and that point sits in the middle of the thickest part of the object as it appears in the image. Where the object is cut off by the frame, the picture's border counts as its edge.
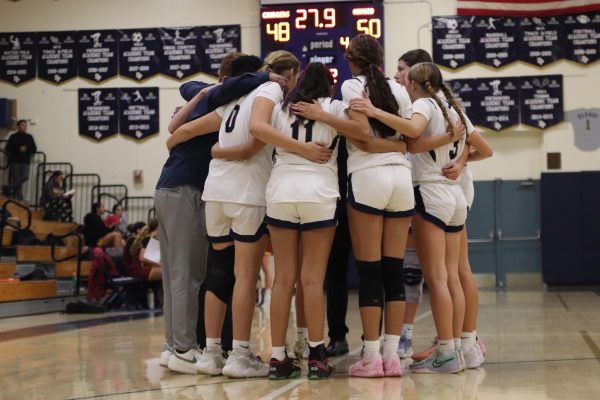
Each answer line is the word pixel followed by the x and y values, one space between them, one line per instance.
pixel 27 290
pixel 7 270
pixel 42 229
pixel 7 236
pixel 43 253
pixel 66 269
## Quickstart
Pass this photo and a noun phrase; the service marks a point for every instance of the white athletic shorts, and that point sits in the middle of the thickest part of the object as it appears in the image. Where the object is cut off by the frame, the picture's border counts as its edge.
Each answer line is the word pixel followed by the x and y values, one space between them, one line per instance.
pixel 384 190
pixel 231 221
pixel 301 216
pixel 442 204
pixel 413 277
pixel 465 181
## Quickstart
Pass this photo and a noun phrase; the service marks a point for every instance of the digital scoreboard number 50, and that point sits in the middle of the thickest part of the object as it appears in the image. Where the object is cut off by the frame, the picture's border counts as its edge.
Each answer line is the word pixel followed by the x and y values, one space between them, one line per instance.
pixel 319 31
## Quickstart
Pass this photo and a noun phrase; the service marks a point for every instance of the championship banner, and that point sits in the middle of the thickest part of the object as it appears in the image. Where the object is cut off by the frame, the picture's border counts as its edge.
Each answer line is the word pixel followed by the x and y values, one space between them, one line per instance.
pixel 98 113
pixel 138 112
pixel 464 91
pixel 215 43
pixel 497 102
pixel 180 58
pixel 541 100
pixel 139 53
pixel 56 56
pixel 581 34
pixel 452 45
pixel 495 40
pixel 97 54
pixel 17 57
pixel 541 40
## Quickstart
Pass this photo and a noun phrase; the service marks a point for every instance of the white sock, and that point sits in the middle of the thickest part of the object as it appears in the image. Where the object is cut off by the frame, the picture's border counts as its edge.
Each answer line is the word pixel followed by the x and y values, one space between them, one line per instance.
pixel 390 345
pixel 371 348
pixel 457 344
pixel 213 343
pixel 278 353
pixel 468 340
pixel 446 346
pixel 407 330
pixel 241 346
pixel 315 344
pixel 302 334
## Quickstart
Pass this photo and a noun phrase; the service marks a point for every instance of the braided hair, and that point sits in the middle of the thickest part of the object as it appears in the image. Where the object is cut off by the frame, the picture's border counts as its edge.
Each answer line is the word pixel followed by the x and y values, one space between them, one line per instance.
pixel 367 55
pixel 429 77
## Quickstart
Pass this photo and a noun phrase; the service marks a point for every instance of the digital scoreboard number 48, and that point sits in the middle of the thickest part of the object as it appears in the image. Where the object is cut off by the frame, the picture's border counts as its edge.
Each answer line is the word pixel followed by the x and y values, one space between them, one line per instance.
pixel 319 32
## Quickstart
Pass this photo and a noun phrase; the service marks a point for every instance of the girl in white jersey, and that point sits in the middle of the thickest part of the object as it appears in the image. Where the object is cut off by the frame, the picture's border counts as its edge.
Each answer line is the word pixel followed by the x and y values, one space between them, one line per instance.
pixel 301 203
pixel 381 202
pixel 441 206
pixel 235 209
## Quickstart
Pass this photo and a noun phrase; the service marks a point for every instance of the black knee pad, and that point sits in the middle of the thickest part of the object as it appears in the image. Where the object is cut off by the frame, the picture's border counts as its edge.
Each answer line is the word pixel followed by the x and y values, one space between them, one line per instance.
pixel 412 276
pixel 392 271
pixel 370 291
pixel 220 278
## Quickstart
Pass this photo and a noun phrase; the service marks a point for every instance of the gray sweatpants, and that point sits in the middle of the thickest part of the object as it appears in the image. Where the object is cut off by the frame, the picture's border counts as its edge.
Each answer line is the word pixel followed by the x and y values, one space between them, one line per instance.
pixel 183 250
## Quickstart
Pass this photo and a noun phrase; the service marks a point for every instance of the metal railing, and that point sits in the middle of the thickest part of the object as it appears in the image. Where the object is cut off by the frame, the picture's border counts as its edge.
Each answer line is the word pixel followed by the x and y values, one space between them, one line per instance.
pixel 4 222
pixel 83 197
pixel 77 256
pixel 109 195
pixel 139 208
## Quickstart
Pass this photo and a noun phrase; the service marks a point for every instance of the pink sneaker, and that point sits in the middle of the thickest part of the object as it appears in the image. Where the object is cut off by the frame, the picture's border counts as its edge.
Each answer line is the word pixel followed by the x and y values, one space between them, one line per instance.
pixel 365 368
pixel 481 346
pixel 391 366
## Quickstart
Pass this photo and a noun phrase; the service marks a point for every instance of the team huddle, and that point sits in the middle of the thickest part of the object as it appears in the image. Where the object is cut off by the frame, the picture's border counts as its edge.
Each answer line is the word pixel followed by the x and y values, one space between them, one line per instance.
pixel 274 176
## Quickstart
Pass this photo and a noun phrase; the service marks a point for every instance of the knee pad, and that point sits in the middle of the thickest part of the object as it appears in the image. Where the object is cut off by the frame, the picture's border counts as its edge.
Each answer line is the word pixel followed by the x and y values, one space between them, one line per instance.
pixel 413 276
pixel 220 278
pixel 370 291
pixel 392 271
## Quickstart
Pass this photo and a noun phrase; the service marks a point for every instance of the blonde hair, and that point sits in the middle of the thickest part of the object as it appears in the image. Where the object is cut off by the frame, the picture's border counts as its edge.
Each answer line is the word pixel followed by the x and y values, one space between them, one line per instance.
pixel 429 77
pixel 280 61
pixel 225 68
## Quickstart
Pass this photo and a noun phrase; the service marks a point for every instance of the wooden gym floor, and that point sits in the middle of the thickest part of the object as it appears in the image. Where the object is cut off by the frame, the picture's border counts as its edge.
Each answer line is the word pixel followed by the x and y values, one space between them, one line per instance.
pixel 541 345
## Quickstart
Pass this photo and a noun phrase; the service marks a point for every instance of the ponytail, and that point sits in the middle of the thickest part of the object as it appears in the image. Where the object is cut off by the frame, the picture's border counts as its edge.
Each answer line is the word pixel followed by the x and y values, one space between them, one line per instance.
pixel 381 96
pixel 455 104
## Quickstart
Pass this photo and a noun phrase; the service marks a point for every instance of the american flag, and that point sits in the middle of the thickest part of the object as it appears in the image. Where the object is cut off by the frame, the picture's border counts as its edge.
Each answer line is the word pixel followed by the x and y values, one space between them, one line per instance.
pixel 525 8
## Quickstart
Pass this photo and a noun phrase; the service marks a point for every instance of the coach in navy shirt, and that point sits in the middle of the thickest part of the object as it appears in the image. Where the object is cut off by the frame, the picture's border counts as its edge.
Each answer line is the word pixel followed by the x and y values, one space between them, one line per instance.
pixel 180 209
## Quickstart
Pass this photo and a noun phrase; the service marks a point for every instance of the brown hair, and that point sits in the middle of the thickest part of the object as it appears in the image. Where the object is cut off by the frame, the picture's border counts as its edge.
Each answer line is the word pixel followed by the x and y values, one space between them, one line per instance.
pixel 225 68
pixel 280 61
pixel 415 56
pixel 429 77
pixel 367 55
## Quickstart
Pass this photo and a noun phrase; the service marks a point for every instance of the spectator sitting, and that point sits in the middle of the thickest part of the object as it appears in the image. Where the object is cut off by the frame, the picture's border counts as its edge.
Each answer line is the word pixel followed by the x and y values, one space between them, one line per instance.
pixel 96 233
pixel 117 220
pixel 55 202
pixel 134 231
pixel 140 267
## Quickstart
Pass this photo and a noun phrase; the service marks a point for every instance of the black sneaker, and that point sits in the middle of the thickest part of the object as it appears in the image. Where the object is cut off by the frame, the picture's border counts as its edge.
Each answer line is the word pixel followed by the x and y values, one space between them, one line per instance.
pixel 286 369
pixel 336 349
pixel 318 367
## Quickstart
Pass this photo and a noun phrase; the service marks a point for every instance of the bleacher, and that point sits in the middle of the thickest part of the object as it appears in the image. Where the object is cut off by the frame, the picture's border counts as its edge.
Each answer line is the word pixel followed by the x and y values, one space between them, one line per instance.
pixel 41 278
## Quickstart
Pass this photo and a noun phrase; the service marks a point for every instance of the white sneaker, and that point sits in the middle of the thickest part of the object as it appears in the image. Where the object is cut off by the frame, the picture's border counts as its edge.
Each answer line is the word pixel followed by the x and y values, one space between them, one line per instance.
pixel 211 362
pixel 301 349
pixel 245 366
pixel 473 357
pixel 165 355
pixel 185 363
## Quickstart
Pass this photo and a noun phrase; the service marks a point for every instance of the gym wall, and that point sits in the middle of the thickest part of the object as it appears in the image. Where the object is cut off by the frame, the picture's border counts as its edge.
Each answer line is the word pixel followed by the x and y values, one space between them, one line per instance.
pixel 519 153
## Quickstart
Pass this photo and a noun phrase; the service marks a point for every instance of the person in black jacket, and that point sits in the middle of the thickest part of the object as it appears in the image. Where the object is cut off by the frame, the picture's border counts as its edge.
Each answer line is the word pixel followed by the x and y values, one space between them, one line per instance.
pixel 96 233
pixel 20 147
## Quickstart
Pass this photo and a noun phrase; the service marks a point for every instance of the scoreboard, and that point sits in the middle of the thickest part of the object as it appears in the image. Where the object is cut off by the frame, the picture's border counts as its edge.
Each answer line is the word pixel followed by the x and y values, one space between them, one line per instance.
pixel 319 31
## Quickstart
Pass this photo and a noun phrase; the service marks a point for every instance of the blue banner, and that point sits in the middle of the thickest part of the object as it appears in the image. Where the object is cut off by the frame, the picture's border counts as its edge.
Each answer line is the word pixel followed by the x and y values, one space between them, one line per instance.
pixel 98 113
pixel 56 56
pixel 215 43
pixel 17 57
pixel 452 43
pixel 495 40
pixel 139 53
pixel 97 56
pixel 541 100
pixel 138 108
